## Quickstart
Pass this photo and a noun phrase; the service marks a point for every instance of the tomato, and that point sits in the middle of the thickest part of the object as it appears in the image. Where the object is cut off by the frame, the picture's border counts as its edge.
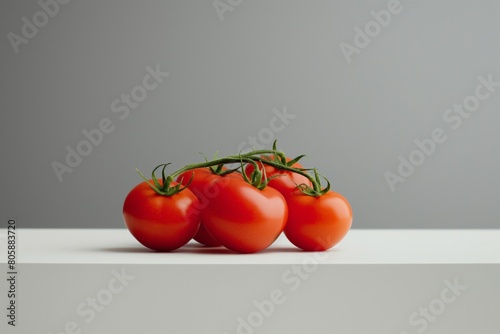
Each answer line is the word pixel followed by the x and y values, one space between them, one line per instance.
pixel 244 218
pixel 201 179
pixel 162 223
pixel 317 223
pixel 285 181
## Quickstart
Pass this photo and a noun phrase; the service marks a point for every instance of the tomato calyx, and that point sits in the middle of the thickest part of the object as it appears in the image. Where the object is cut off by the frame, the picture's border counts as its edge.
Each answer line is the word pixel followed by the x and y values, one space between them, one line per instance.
pixel 280 162
pixel 258 178
pixel 219 170
pixel 316 191
pixel 164 187
pixel 280 157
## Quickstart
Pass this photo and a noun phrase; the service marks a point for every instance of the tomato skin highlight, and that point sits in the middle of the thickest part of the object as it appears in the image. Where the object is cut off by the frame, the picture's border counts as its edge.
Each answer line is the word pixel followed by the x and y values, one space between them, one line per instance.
pixel 317 223
pixel 199 180
pixel 161 223
pixel 285 181
pixel 243 218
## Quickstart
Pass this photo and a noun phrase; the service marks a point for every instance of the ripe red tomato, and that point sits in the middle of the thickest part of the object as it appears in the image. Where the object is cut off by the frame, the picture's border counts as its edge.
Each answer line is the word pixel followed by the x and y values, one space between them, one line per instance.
pixel 244 218
pixel 162 223
pixel 201 179
pixel 285 181
pixel 317 223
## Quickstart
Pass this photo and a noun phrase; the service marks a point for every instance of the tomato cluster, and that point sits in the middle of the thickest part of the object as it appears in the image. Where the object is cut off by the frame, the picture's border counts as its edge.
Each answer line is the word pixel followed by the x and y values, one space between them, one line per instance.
pixel 243 209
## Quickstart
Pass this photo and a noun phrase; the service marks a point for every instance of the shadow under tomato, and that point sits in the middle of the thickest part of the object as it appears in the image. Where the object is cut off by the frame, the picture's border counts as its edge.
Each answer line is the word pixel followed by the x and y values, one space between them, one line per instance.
pixel 193 249
pixel 126 250
pixel 198 249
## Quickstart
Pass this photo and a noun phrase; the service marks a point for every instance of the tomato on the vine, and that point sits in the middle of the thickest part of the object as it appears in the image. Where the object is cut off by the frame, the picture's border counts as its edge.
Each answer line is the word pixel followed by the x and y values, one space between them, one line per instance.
pixel 244 218
pixel 160 222
pixel 198 181
pixel 317 223
pixel 282 180
pixel 245 212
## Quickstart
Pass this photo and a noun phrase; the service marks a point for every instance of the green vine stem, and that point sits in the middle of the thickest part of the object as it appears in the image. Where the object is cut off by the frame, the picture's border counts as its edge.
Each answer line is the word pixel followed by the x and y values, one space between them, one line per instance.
pixel 316 190
pixel 256 179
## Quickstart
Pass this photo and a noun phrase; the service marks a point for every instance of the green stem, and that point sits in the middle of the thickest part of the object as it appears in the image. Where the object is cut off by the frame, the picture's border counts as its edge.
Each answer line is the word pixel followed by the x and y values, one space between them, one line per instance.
pixel 262 152
pixel 216 162
pixel 251 157
pixel 314 182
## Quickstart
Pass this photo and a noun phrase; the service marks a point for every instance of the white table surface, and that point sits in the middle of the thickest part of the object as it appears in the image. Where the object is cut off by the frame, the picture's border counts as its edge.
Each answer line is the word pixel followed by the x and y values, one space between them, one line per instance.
pixel 117 246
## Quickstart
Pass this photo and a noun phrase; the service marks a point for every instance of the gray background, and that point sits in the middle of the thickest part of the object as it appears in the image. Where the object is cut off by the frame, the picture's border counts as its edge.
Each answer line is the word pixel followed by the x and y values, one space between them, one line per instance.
pixel 226 77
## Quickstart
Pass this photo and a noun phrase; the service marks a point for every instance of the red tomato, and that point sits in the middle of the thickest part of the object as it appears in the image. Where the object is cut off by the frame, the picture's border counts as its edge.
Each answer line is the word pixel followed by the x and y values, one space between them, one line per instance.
pixel 285 181
pixel 201 179
pixel 162 223
pixel 317 223
pixel 244 218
